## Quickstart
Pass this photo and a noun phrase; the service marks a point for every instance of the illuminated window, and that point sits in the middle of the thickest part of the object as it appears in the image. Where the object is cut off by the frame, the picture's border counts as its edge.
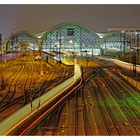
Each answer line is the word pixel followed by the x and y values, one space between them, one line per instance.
pixel 70 32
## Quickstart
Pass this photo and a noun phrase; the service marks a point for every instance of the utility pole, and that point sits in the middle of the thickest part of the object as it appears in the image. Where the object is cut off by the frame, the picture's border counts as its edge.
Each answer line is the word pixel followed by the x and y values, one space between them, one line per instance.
pixel 59 43
pixel 31 98
pixel 137 45
pixel 134 59
pixel 59 49
pixel 105 48
pixel 134 53
pixel 123 33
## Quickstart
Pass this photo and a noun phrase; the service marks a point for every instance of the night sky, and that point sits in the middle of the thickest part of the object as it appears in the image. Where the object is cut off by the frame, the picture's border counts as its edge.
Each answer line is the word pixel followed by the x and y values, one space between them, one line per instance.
pixel 36 18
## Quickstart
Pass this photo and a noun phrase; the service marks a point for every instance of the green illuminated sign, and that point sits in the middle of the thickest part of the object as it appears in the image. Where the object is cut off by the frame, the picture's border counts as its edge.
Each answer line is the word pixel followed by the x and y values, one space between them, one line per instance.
pixel 72 26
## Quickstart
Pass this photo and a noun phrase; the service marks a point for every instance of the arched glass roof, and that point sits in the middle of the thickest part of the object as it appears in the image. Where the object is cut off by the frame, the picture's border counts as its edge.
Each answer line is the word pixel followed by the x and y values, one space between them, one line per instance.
pixel 116 41
pixel 22 39
pixel 70 37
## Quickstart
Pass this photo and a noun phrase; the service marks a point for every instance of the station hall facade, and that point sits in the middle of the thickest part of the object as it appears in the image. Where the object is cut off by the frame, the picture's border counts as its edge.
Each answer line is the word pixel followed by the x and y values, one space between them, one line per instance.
pixel 71 37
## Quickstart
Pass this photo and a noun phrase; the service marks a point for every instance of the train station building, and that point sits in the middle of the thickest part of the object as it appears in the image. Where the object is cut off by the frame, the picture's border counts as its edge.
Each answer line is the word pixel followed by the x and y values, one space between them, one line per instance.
pixel 71 38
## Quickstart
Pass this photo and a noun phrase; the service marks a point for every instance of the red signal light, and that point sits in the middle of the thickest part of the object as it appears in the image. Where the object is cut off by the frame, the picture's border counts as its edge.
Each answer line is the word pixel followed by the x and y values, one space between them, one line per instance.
pixel 113 69
pixel 103 85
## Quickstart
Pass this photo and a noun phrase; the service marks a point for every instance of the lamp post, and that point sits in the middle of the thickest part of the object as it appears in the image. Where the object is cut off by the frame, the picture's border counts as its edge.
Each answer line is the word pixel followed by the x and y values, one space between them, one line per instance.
pixel 92 52
pixel 59 49
pixel 137 45
pixel 105 46
pixel 123 32
pixel 71 47
pixel 134 53
pixel 134 58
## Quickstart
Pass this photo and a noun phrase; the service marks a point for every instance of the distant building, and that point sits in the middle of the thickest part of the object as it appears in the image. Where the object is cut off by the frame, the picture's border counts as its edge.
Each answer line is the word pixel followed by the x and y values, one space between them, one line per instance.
pixel 133 32
pixel 125 29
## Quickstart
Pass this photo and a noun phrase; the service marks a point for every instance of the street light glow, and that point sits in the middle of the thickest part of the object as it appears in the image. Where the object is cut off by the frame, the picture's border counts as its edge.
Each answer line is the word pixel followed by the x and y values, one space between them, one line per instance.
pixel 70 41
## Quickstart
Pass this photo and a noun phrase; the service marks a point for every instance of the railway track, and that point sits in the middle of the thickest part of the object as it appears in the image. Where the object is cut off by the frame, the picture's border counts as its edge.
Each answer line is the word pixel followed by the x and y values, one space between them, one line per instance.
pixel 11 89
pixel 106 112
pixel 116 114
pixel 76 114
pixel 123 103
pixel 114 126
pixel 100 97
pixel 26 66
pixel 30 95
pixel 13 85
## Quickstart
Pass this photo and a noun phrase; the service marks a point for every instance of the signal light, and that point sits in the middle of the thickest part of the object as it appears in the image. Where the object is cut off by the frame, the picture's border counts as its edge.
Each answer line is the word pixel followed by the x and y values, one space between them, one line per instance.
pixel 113 69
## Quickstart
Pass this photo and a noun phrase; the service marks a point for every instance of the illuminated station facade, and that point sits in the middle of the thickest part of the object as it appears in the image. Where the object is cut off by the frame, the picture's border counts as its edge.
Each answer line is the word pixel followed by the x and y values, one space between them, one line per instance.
pixel 73 38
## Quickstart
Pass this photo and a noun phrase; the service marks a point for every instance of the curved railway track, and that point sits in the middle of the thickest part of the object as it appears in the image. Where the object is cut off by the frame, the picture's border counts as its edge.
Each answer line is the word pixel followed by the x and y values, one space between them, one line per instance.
pixel 109 97
pixel 75 95
pixel 11 89
pixel 30 95
pixel 27 67
pixel 116 105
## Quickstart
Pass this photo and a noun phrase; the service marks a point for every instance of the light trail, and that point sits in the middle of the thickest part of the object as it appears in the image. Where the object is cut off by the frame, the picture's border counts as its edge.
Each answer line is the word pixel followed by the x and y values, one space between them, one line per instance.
pixel 71 82
pixel 126 65
pixel 50 108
